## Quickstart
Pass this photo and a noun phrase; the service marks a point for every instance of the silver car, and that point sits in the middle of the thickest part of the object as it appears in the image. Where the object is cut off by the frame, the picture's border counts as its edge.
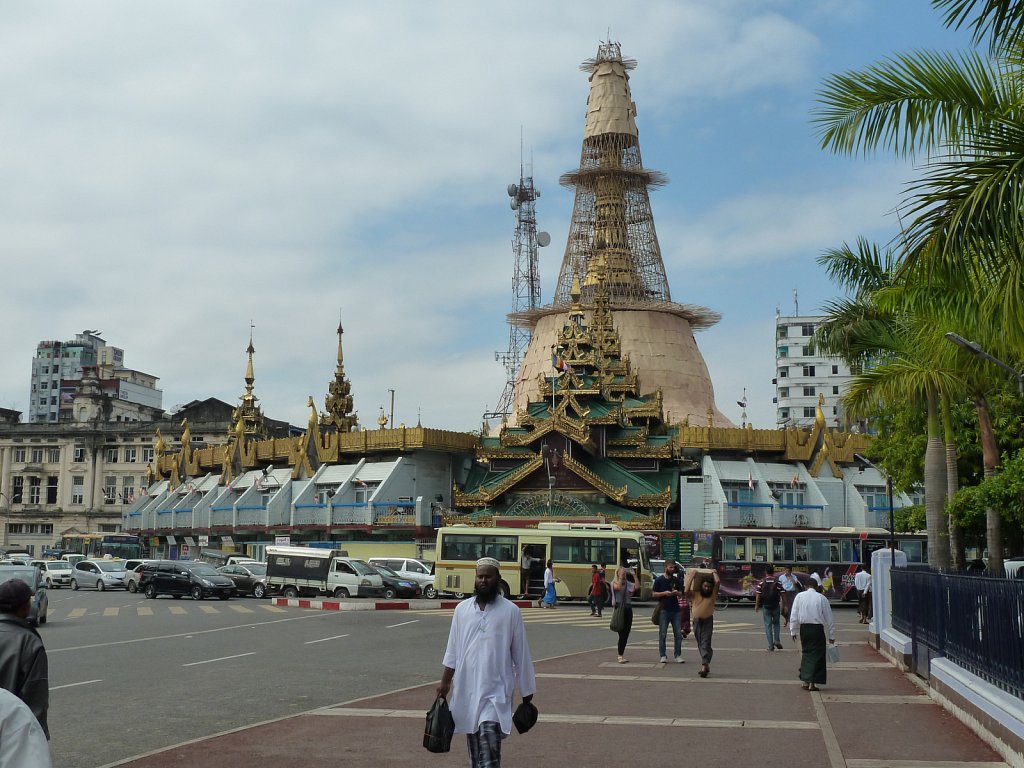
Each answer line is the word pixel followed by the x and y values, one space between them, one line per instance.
pixel 31 576
pixel 101 574
pixel 56 573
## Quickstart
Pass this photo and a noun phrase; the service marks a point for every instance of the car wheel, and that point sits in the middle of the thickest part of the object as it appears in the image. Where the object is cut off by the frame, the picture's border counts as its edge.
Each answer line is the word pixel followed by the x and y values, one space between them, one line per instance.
pixel 341 592
pixel 429 592
pixel 100 586
pixel 151 591
pixel 459 595
pixel 133 587
pixel 259 591
pixel 197 592
pixel 290 592
pixel 390 593
pixel 74 584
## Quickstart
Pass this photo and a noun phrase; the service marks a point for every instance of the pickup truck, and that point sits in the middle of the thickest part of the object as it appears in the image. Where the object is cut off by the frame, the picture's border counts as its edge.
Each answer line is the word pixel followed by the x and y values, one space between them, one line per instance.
pixel 310 571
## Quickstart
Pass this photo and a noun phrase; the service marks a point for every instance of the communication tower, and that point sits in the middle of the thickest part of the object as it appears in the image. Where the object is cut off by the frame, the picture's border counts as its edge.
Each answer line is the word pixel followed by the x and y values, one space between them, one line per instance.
pixel 525 282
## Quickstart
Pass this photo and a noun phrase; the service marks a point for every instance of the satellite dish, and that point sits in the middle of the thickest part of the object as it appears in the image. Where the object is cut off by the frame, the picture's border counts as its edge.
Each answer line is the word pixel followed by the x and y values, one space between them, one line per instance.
pixel 513 190
pixel 513 203
pixel 543 239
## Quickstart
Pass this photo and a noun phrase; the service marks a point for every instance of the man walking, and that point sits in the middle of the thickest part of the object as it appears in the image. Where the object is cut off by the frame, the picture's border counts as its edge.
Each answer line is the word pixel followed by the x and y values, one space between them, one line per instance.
pixel 667 589
pixel 862 583
pixel 767 598
pixel 702 586
pixel 790 587
pixel 24 668
pixel 487 658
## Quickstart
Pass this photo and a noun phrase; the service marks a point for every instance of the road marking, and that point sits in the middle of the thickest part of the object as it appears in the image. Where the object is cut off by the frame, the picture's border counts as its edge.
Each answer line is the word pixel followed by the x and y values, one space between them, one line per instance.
pixel 242 609
pixel 111 611
pixel 835 752
pixel 209 609
pixel 392 626
pixel 222 658
pixel 325 639
pixel 273 609
pixel 76 613
pixel 145 610
pixel 177 609
pixel 72 685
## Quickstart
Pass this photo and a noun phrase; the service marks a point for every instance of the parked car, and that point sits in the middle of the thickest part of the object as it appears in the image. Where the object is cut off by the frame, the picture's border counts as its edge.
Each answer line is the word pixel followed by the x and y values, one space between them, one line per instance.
pixel 249 578
pixel 1014 567
pixel 184 577
pixel 411 569
pixel 73 558
pixel 396 586
pixel 218 557
pixel 101 574
pixel 56 573
pixel 132 574
pixel 31 576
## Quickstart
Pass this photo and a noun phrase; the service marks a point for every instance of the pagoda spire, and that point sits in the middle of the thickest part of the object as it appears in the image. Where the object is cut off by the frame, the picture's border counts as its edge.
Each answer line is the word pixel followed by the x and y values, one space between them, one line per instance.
pixel 339 400
pixel 248 409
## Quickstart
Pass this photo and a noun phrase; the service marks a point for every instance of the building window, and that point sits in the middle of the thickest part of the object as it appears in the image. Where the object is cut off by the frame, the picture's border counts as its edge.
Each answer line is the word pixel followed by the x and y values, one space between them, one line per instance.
pixel 809 392
pixel 147 455
pixel 783 331
pixel 54 456
pixel 109 489
pixel 783 373
pixel 807 329
pixel 44 385
pixel 783 391
pixel 78 490
pixel 835 410
pixel 17 489
pixel 784 413
pixel 110 455
pixel 809 412
pixel 53 399
pixel 783 351
pixel 19 455
pixel 835 370
pixel 127 489
pixel 129 454
pixel 79 454
pixel 808 370
pixel 835 390
pixel 34 485
pixel 51 489
pixel 37 455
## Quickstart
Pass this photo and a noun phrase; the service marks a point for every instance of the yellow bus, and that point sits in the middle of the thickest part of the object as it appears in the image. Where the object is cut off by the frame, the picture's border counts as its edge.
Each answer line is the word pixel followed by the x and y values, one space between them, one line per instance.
pixel 573 548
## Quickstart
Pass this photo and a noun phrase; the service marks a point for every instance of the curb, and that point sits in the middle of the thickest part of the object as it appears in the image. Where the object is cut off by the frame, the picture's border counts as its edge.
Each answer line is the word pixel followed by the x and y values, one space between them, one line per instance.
pixel 374 605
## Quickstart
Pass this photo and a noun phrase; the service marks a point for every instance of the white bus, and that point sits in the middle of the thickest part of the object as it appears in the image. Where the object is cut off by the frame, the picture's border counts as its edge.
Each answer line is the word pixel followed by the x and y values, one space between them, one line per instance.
pixel 573 548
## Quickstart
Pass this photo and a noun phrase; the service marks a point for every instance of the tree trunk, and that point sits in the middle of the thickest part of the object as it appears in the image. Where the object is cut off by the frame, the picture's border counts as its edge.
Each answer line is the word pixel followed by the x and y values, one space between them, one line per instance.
pixel 935 488
pixel 956 540
pixel 990 459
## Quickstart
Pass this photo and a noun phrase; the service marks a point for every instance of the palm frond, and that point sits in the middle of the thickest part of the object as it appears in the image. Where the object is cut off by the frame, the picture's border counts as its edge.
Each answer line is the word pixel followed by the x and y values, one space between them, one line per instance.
pixel 998 20
pixel 863 269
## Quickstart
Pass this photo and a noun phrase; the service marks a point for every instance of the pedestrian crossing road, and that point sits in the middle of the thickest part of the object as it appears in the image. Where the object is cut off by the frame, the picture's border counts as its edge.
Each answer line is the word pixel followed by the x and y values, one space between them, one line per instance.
pixel 572 617
pixel 58 614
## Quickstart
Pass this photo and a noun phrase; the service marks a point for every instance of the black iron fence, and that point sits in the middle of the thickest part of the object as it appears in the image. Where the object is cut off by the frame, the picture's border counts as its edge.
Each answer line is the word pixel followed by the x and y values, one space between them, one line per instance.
pixel 976 622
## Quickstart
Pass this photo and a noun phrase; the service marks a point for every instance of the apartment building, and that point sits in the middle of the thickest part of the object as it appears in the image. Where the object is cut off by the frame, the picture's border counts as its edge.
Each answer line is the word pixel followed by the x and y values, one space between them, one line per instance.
pixel 802 375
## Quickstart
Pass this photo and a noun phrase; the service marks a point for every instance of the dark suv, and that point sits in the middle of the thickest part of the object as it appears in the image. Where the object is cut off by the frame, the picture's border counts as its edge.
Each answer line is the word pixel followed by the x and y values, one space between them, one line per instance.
pixel 184 577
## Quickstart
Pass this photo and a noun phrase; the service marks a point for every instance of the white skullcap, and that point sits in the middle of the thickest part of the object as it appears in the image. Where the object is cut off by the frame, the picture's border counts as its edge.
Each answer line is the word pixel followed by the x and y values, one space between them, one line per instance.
pixel 817 578
pixel 488 561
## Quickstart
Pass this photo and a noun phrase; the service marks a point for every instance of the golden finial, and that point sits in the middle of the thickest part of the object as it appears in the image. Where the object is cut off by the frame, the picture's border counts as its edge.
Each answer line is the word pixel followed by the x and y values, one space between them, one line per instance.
pixel 382 419
pixel 819 414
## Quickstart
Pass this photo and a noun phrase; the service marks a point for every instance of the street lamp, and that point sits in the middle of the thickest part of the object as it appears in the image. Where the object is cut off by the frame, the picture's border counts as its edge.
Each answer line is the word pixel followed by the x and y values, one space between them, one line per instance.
pixel 975 349
pixel 7 517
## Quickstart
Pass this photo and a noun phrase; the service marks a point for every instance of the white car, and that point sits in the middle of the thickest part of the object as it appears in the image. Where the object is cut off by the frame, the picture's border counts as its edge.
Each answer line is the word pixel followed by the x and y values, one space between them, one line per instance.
pixel 410 569
pixel 98 574
pixel 56 573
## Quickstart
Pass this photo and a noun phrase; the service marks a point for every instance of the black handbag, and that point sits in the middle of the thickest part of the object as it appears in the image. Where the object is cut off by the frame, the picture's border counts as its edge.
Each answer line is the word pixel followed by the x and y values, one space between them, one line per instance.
pixel 525 716
pixel 437 736
pixel 618 622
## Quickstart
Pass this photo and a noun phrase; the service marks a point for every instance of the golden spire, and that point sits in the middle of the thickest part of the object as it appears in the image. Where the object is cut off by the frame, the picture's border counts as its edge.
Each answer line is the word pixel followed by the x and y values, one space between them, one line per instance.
pixel 248 411
pixel 339 400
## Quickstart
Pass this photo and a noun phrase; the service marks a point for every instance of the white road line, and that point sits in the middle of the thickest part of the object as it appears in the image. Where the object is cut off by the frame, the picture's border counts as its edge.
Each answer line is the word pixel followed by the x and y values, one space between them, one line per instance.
pixel 72 685
pixel 222 658
pixel 402 624
pixel 325 639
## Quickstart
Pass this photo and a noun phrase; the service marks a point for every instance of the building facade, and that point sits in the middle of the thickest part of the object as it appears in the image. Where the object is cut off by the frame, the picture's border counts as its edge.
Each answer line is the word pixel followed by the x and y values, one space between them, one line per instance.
pixel 802 376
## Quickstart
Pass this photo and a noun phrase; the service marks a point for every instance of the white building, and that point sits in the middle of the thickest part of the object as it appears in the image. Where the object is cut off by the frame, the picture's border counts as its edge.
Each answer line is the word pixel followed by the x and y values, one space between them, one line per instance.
pixel 59 367
pixel 802 375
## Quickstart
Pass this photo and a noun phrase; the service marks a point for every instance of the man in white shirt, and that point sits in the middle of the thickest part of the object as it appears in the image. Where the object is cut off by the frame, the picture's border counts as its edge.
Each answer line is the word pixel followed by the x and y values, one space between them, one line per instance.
pixel 487 658
pixel 22 741
pixel 862 583
pixel 811 614
pixel 527 561
pixel 790 586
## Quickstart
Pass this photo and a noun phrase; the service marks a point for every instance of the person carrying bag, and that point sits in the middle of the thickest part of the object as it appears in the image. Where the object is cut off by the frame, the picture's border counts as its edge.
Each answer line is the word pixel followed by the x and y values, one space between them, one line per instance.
pixel 625 583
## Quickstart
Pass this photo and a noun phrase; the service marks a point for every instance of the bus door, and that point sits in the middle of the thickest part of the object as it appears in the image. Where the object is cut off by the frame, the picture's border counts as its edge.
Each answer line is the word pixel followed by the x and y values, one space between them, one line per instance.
pixel 531 582
pixel 760 556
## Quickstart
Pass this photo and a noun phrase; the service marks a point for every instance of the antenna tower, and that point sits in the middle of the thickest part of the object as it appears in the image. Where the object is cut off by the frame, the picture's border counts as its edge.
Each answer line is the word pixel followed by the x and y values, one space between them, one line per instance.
pixel 525 282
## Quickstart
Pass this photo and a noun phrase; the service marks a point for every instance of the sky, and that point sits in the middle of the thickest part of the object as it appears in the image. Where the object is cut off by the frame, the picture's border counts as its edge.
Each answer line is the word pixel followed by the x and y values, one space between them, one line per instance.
pixel 179 174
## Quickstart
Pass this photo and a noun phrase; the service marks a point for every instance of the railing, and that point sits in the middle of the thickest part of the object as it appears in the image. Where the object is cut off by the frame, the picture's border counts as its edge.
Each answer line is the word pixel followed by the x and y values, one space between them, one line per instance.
pixel 749 514
pixel 974 621
pixel 401 513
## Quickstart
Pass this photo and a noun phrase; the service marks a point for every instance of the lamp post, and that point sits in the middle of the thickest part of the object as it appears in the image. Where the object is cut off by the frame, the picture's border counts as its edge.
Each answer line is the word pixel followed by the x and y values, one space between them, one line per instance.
pixel 7 517
pixel 892 518
pixel 975 349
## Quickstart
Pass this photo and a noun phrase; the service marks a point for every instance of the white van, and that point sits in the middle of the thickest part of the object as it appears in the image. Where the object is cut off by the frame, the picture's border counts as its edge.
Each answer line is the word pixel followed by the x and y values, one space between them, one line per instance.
pixel 411 569
pixel 313 571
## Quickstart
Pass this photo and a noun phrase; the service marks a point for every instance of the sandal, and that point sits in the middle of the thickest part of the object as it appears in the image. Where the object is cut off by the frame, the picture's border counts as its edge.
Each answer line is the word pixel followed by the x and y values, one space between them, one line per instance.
pixel 806 686
pixel 622 659
pixel 812 687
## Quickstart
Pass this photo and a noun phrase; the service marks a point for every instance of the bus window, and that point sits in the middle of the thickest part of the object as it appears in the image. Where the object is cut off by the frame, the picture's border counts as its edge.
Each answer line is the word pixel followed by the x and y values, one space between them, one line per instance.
pixel 733 548
pixel 464 546
pixel 800 550
pixel 819 551
pixel 778 550
pixel 582 551
pixel 788 550
pixel 848 551
pixel 833 551
pixel 914 551
pixel 759 550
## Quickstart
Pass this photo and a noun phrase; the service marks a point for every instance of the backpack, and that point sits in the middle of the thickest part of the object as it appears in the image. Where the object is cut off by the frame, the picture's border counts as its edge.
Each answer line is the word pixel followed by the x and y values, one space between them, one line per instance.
pixel 770 592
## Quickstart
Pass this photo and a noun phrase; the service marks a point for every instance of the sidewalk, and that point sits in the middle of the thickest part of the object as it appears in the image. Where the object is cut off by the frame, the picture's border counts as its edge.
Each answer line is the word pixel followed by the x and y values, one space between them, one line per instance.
pixel 595 712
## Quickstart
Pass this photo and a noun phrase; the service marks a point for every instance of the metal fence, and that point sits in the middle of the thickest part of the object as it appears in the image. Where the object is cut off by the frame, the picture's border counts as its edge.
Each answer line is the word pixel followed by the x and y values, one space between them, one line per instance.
pixel 976 622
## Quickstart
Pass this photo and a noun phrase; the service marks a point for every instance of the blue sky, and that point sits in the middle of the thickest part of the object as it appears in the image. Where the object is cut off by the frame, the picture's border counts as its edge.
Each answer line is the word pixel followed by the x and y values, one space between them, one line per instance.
pixel 173 171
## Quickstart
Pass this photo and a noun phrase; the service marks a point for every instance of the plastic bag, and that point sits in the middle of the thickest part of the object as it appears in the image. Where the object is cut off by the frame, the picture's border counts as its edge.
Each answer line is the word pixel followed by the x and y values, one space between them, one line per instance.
pixel 833 653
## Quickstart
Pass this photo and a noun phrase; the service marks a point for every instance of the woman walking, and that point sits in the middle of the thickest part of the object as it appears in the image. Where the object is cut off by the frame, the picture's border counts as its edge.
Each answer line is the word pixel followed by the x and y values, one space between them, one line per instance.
pixel 812 615
pixel 549 586
pixel 623 587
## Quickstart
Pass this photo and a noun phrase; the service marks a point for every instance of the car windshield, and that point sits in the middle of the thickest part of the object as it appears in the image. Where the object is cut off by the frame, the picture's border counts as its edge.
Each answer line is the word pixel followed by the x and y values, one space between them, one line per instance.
pixel 109 565
pixel 362 568
pixel 58 565
pixel 383 570
pixel 28 575
pixel 256 569
pixel 204 569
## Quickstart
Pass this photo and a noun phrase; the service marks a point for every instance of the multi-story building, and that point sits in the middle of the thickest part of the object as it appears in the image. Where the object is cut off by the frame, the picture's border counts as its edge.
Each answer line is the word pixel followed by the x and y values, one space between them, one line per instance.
pixel 802 375
pixel 59 368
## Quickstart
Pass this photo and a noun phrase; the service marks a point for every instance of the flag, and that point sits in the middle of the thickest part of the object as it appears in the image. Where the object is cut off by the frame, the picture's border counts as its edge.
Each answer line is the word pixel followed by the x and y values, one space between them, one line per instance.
pixel 559 364
pixel 750 481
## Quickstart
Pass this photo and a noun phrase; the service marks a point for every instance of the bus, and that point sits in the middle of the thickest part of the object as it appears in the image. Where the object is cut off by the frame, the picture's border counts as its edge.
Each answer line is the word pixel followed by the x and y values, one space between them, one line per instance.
pixel 740 555
pixel 573 547
pixel 122 546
